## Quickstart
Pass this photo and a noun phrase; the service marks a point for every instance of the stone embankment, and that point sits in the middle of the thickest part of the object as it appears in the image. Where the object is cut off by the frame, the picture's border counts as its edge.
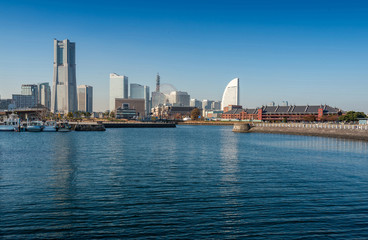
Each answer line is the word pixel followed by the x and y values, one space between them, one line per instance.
pixel 211 123
pixel 241 127
pixel 357 132
pixel 87 126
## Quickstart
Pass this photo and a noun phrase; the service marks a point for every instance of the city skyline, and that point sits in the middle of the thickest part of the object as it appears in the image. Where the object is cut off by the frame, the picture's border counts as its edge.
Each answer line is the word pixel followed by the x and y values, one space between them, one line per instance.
pixel 304 53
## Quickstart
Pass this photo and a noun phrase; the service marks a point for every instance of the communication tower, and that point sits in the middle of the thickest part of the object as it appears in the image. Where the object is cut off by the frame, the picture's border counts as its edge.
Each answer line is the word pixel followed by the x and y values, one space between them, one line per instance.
pixel 158 83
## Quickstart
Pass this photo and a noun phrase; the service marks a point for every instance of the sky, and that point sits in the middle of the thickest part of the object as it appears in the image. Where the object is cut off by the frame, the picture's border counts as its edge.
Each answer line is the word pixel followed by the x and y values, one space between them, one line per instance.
pixel 304 52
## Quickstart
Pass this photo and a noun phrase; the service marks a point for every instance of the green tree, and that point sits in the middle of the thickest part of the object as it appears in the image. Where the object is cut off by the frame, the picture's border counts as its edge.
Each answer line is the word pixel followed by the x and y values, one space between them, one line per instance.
pixel 70 115
pixel 78 114
pixel 352 116
pixel 87 114
pixel 112 114
pixel 195 113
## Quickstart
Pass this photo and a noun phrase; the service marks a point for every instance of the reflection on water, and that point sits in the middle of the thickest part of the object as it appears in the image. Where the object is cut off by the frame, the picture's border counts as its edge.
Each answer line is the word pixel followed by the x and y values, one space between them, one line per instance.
pixel 315 143
pixel 192 182
pixel 63 170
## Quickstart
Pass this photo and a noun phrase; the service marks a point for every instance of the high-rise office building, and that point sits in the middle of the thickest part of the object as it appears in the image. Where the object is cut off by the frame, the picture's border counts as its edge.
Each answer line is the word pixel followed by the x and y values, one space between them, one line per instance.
pixel 147 102
pixel 64 89
pixel 85 98
pixel 136 91
pixel 5 104
pixel 28 97
pixel 44 94
pixel 178 98
pixel 195 103
pixel 118 88
pixel 206 104
pixel 30 89
pixel 216 105
pixel 231 94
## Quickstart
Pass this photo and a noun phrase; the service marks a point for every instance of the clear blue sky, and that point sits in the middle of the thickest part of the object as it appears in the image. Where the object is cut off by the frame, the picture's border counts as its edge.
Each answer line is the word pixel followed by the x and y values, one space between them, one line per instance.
pixel 305 52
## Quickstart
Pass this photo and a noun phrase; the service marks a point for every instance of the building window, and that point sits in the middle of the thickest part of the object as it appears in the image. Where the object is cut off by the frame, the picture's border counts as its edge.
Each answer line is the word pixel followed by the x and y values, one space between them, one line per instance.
pixel 60 55
pixel 125 105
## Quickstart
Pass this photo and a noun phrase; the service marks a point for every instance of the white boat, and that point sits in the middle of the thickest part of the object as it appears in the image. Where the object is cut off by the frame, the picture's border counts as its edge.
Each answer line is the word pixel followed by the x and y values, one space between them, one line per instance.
pixel 50 126
pixel 35 126
pixel 11 123
pixel 64 127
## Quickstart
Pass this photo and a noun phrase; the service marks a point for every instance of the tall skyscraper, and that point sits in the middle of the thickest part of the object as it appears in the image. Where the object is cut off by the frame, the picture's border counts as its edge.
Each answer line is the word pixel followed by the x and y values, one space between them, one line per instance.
pixel 85 98
pixel 231 94
pixel 64 89
pixel 147 102
pixel 44 94
pixel 118 88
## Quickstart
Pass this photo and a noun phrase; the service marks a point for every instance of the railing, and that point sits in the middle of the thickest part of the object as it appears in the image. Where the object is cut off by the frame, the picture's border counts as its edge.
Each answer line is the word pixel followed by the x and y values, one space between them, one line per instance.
pixel 314 125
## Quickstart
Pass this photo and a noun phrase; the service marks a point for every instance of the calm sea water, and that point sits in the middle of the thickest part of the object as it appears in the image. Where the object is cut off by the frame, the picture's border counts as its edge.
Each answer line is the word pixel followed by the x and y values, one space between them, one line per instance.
pixel 192 182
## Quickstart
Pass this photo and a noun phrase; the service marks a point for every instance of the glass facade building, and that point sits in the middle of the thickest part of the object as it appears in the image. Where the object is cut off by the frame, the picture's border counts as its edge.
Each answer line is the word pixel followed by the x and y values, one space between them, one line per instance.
pixel 118 89
pixel 136 91
pixel 85 98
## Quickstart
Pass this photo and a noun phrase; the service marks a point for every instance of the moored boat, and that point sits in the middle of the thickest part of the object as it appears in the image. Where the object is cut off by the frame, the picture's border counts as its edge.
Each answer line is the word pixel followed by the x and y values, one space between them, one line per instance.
pixel 64 127
pixel 35 126
pixel 50 126
pixel 11 123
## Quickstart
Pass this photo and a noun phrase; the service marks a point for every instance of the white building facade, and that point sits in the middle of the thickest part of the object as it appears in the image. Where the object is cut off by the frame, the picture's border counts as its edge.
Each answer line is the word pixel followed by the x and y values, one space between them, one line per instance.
pixel 118 89
pixel 178 98
pixel 231 94
pixel 64 89
pixel 44 94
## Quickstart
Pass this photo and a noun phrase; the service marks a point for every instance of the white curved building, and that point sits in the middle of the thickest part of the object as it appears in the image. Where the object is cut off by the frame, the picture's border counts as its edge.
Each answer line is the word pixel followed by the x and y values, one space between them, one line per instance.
pixel 231 94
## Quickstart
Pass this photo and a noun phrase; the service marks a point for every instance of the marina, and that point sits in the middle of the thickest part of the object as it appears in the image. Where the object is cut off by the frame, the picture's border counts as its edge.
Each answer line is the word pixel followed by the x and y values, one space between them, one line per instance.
pixel 14 124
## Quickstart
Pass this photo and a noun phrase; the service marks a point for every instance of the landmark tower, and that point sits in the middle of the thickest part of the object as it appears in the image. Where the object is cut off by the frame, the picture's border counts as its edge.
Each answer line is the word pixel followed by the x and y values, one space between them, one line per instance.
pixel 64 88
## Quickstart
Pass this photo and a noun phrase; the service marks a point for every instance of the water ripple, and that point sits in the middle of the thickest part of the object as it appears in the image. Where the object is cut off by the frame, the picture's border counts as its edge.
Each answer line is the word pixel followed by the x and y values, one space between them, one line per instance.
pixel 192 182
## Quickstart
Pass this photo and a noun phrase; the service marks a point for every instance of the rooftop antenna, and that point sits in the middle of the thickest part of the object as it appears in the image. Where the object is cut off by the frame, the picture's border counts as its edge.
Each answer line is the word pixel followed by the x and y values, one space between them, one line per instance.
pixel 158 83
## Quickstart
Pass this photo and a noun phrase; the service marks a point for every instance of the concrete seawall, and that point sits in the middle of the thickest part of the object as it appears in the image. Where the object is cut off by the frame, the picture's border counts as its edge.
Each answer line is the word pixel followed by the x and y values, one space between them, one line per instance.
pixel 356 134
pixel 87 126
pixel 138 125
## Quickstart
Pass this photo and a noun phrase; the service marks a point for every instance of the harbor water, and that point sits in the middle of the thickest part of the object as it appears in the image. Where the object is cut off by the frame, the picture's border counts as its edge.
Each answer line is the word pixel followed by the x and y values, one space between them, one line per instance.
pixel 189 182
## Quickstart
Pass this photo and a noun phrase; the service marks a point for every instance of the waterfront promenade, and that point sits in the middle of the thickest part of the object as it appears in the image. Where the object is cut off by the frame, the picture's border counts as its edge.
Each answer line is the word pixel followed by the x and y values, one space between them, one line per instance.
pixel 348 131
